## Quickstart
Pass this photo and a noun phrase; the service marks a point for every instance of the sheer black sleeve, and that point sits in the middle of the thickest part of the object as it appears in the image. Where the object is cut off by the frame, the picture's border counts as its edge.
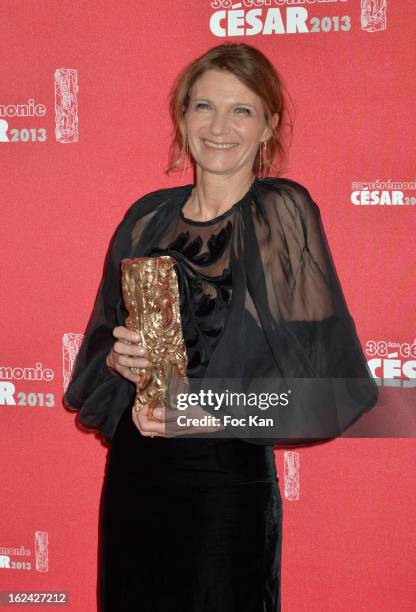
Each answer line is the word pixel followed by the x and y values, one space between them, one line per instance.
pixel 299 304
pixel 303 285
pixel 98 392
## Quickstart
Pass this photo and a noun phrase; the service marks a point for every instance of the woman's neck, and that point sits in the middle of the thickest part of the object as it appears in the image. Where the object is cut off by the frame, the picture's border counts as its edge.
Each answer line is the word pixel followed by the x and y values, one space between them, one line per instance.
pixel 214 194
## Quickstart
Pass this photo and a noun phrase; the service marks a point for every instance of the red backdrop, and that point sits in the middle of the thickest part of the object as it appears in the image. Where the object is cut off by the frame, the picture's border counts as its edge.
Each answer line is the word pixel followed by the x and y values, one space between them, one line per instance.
pixel 93 138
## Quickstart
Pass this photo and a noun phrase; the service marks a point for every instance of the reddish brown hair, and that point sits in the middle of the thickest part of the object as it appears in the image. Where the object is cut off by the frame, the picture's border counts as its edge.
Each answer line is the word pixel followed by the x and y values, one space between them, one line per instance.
pixel 257 73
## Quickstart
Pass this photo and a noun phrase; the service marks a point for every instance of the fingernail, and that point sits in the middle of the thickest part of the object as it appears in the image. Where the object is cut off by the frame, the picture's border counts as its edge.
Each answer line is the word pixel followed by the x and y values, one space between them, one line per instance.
pixel 157 412
pixel 136 337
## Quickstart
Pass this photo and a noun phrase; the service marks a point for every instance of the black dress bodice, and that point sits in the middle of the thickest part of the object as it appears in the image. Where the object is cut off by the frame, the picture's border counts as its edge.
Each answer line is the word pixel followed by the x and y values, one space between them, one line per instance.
pixel 202 252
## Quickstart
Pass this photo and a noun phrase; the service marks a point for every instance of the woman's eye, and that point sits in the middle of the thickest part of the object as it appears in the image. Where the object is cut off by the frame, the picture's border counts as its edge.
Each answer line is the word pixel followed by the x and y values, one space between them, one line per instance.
pixel 240 109
pixel 202 105
pixel 244 109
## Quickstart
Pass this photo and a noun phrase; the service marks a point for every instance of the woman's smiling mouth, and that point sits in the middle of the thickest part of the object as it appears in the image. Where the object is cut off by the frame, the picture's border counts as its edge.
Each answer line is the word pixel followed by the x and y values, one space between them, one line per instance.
pixel 216 145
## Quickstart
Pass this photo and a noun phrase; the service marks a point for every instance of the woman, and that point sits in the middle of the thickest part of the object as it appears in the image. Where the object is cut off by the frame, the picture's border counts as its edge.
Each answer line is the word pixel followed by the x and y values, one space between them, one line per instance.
pixel 193 523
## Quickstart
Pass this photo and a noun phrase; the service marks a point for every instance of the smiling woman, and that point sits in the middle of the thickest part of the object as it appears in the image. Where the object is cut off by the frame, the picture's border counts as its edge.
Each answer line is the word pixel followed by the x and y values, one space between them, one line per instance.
pixel 223 132
pixel 193 523
pixel 238 85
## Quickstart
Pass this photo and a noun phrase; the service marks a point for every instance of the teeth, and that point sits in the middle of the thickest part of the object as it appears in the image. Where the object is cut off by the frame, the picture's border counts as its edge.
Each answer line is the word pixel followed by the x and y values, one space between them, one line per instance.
pixel 219 146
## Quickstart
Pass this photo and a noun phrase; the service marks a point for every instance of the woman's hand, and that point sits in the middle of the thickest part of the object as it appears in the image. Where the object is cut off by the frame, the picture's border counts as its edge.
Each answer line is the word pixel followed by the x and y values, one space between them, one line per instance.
pixel 153 423
pixel 127 352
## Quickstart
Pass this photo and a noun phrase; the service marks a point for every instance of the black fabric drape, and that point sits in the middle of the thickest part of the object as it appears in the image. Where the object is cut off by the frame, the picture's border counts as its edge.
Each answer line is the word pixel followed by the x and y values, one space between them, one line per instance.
pixel 288 326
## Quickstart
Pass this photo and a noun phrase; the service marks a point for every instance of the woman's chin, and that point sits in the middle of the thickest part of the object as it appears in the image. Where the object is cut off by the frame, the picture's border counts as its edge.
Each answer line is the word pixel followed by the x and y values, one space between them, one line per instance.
pixel 217 166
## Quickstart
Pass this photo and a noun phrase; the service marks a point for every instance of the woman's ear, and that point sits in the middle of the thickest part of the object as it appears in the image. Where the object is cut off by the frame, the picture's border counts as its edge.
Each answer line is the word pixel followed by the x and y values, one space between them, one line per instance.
pixel 275 120
pixel 274 123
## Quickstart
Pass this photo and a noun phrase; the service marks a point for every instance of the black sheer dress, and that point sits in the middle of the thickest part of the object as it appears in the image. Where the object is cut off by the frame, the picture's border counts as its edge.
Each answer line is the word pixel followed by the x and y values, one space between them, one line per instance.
pixel 192 524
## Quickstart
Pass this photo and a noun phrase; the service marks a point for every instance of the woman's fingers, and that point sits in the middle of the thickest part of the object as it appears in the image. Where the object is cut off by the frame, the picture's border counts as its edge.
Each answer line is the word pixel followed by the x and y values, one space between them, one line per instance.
pixel 194 414
pixel 153 422
pixel 123 363
pixel 121 332
pixel 127 352
pixel 145 425
pixel 161 413
pixel 127 344
pixel 133 362
pixel 128 347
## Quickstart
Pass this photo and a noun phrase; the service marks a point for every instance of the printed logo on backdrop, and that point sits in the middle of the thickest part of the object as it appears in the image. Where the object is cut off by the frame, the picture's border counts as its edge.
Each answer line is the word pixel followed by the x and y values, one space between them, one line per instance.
pixel 392 364
pixel 373 15
pixel 21 557
pixel 277 17
pixel 13 378
pixel 291 475
pixel 23 386
pixel 383 193
pixel 66 105
pixel 65 114
pixel 70 347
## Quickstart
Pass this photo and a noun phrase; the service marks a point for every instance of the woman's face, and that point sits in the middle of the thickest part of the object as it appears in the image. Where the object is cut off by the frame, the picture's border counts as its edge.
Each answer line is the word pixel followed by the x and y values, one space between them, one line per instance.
pixel 224 123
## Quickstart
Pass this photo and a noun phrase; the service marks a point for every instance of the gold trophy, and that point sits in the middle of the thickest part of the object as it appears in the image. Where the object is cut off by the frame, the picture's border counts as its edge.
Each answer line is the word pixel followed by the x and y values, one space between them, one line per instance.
pixel 151 297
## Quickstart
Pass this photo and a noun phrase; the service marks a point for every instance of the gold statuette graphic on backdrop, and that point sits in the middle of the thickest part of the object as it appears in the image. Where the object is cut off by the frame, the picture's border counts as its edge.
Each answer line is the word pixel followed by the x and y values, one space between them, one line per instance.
pixel 151 297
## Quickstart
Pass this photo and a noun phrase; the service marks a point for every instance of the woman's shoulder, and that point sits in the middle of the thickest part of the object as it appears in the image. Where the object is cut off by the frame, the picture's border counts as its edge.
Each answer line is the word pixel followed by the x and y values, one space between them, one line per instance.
pixel 152 200
pixel 283 191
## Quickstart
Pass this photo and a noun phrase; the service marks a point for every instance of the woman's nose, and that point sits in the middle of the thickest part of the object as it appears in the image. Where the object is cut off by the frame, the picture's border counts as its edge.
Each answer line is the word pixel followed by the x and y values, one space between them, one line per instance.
pixel 219 123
